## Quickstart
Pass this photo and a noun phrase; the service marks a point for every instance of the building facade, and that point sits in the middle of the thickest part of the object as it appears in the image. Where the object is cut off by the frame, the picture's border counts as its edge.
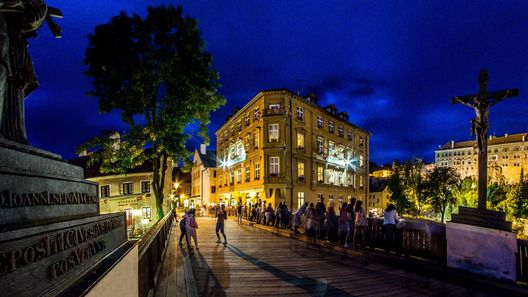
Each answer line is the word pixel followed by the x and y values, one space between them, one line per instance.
pixel 507 155
pixel 131 193
pixel 283 148
pixel 378 196
pixel 204 177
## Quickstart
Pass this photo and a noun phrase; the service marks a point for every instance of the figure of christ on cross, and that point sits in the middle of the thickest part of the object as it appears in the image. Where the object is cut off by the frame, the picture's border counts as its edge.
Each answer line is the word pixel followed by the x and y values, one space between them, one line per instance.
pixel 482 102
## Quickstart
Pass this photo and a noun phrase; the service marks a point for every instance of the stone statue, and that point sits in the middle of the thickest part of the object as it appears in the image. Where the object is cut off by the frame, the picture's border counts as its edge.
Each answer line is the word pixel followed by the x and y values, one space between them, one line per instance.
pixel 19 20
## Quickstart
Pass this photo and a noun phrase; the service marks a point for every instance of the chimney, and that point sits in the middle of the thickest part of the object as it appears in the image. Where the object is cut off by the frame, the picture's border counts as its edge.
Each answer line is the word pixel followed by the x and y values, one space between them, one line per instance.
pixel 452 144
pixel 202 149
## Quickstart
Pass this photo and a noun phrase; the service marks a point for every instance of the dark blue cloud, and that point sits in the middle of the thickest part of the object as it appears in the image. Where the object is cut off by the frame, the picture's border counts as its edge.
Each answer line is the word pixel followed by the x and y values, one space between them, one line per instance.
pixel 393 66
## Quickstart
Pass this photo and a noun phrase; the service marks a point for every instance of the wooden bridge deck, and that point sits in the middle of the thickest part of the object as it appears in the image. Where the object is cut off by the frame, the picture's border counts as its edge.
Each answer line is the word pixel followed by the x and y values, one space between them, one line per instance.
pixel 258 263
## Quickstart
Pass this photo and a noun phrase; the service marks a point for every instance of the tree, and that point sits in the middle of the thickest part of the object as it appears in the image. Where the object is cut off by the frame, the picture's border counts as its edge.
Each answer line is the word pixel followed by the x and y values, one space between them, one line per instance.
pixel 467 194
pixel 520 200
pixel 442 182
pixel 398 196
pixel 413 184
pixel 156 72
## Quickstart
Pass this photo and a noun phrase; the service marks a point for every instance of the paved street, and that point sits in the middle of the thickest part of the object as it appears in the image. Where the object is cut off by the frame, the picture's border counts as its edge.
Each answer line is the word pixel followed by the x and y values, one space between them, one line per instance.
pixel 258 263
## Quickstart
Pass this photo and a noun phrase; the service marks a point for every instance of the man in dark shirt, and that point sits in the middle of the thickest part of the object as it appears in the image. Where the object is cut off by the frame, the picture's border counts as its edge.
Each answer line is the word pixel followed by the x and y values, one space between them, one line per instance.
pixel 239 212
pixel 351 217
pixel 221 216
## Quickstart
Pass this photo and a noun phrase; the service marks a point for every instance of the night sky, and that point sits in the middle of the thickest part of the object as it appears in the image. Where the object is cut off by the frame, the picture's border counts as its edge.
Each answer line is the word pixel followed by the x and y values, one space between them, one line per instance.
pixel 392 65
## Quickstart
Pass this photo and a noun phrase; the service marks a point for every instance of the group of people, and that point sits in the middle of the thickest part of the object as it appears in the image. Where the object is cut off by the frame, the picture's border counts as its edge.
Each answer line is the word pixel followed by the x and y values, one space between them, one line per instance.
pixel 280 217
pixel 188 226
pixel 346 225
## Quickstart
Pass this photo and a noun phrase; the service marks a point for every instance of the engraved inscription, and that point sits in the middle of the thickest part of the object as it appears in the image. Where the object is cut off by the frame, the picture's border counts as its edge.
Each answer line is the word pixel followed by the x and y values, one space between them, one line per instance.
pixel 47 246
pixel 8 199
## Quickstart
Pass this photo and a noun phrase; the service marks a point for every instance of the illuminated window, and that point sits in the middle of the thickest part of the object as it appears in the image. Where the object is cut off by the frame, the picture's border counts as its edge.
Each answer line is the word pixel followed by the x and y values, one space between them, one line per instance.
pixel 330 126
pixel 247 174
pixel 320 174
pixel 331 148
pixel 257 171
pixel 239 175
pixel 300 199
pixel 240 149
pixel 320 145
pixel 300 169
pixel 274 165
pixel 361 181
pixel 300 113
pixel 331 176
pixel 360 160
pixel 105 191
pixel 300 140
pixel 273 132
pixel 147 213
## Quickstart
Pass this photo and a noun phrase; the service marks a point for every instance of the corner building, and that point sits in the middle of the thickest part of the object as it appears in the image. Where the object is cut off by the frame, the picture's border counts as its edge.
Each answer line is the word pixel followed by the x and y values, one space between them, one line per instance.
pixel 283 148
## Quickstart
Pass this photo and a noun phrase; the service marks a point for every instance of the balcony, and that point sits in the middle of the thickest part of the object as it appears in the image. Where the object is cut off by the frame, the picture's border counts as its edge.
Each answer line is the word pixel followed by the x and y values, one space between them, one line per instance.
pixel 274 111
pixel 274 179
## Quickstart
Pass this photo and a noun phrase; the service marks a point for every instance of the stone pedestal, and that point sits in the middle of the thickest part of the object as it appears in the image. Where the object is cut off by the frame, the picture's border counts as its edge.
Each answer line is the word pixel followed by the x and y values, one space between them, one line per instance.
pixel 51 233
pixel 486 251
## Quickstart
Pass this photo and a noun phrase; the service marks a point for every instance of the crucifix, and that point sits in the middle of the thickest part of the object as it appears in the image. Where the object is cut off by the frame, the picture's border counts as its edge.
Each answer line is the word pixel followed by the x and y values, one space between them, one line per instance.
pixel 482 102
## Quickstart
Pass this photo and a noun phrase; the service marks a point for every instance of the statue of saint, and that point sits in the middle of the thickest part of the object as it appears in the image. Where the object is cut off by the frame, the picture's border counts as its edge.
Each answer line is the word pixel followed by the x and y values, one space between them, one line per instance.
pixel 19 21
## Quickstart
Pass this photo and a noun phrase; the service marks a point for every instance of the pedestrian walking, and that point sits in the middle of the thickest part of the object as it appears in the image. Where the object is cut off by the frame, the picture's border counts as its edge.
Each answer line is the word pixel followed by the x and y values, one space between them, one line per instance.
pixel 351 218
pixel 221 216
pixel 183 230
pixel 190 227
pixel 361 224
pixel 239 212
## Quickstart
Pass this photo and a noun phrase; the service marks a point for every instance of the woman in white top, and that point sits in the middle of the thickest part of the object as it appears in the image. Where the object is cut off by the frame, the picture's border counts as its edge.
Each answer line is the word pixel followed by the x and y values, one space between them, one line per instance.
pixel 390 218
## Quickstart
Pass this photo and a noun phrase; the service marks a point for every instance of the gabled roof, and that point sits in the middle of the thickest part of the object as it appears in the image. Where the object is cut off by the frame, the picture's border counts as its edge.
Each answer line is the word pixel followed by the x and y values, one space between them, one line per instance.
pixel 209 159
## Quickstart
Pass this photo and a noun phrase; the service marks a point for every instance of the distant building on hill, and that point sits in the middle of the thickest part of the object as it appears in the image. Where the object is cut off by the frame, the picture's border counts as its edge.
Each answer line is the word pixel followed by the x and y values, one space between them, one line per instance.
pixel 507 155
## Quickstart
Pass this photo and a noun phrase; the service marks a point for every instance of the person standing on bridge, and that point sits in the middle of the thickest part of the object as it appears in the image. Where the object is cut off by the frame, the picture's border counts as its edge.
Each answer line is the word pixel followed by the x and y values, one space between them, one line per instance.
pixel 221 216
pixel 351 218
pixel 239 212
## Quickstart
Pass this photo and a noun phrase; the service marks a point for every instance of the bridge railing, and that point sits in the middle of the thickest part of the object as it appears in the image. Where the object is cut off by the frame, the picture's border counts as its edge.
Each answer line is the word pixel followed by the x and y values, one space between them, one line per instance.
pixel 522 260
pixel 151 248
pixel 421 238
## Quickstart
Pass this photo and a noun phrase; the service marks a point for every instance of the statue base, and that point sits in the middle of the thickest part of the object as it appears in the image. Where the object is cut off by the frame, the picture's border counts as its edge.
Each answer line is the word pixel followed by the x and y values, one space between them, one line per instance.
pixel 482 217
pixel 486 251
